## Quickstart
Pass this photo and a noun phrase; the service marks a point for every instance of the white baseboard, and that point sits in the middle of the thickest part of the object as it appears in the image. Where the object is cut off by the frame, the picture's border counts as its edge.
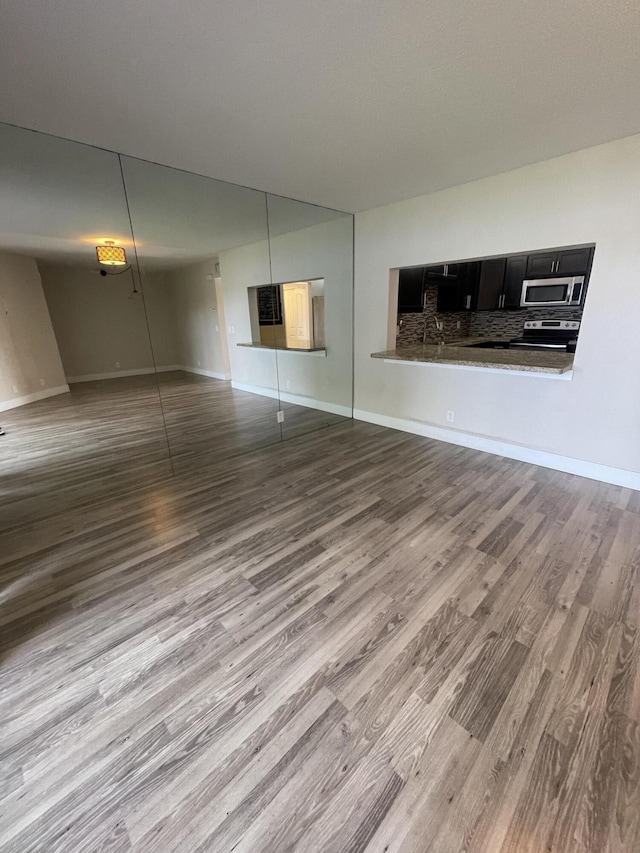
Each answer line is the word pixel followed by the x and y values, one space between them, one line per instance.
pixel 168 368
pixel 295 399
pixel 117 374
pixel 32 398
pixel 255 389
pixel 591 470
pixel 212 374
pixel 311 403
pixel 144 371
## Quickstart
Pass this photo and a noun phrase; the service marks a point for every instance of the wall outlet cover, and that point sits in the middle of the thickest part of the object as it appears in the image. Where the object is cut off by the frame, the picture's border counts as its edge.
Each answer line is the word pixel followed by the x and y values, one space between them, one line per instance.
pixel 450 416
pixel 42 382
pixel 280 417
pixel 117 364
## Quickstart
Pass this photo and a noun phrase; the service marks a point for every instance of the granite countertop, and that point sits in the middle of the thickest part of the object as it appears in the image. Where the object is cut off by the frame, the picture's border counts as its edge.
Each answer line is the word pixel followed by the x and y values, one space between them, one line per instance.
pixel 259 345
pixel 458 352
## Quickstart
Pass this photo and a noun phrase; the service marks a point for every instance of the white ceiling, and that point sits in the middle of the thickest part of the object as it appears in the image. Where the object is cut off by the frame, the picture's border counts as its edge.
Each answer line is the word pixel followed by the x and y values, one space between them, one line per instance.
pixel 347 103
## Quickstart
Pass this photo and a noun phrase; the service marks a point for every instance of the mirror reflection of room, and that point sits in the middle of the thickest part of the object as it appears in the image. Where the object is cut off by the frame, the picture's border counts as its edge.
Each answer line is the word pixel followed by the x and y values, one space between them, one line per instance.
pixel 127 344
pixel 79 401
pixel 289 315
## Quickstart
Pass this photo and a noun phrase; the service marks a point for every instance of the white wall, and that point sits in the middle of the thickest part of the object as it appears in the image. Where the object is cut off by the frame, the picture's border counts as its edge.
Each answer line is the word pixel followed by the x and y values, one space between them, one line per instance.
pixel 30 366
pixel 163 322
pixel 321 251
pixel 590 196
pixel 197 321
pixel 97 322
pixel 241 268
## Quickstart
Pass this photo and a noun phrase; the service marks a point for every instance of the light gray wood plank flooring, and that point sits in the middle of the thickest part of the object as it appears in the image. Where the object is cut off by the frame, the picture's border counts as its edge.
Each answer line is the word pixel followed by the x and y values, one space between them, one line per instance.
pixel 358 640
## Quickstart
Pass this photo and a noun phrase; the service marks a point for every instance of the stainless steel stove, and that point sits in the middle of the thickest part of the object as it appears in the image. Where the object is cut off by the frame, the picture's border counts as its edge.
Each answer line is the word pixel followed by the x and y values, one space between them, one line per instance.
pixel 561 335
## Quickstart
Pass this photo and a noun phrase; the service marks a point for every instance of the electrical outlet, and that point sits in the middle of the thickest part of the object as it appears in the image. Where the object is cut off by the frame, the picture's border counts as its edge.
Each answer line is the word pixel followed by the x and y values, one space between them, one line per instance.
pixel 280 416
pixel 14 388
pixel 209 277
pixel 117 364
pixel 198 362
pixel 42 382
pixel 217 328
pixel 288 385
pixel 450 416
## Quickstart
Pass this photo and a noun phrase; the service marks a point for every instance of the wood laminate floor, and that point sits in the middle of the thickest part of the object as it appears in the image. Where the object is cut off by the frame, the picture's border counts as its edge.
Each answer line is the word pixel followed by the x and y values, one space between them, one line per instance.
pixel 356 640
pixel 106 436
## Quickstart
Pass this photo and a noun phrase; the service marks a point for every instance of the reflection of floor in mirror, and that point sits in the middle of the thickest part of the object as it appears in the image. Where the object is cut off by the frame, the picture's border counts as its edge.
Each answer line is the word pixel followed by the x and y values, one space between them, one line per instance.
pixel 110 435
pixel 357 640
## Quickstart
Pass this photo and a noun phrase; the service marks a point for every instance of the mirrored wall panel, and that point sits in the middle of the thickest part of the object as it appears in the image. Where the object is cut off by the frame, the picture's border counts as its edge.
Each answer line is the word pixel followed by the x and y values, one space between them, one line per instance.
pixel 154 322
pixel 78 397
pixel 311 251
pixel 201 244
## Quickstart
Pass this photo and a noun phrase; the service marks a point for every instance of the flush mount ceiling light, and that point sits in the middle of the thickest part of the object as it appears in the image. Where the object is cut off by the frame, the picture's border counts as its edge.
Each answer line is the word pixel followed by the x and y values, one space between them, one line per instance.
pixel 111 255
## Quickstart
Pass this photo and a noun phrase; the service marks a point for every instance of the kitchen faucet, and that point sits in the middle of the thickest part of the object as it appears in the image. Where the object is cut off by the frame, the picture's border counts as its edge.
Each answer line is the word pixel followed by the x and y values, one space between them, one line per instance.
pixel 439 326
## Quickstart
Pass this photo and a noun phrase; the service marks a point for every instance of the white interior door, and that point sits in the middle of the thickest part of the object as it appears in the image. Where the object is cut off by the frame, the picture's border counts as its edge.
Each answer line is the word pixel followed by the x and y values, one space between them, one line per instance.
pixel 297 314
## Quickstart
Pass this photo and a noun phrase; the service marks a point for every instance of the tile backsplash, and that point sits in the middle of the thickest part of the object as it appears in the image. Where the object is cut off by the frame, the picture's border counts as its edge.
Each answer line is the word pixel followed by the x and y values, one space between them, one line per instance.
pixel 414 328
pixel 508 324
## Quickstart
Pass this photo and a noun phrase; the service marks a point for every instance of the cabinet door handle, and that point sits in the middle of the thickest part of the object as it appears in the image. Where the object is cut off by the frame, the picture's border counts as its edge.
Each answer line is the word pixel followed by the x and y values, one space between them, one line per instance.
pixel 467 304
pixel 446 270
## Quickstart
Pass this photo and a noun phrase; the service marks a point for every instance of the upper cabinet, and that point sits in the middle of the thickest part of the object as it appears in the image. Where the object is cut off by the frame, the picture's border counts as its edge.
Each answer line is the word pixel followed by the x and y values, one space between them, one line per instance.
pixel 411 291
pixel 491 284
pixel 574 262
pixel 500 283
pixel 458 292
pixel 559 262
pixel 442 271
pixel 514 275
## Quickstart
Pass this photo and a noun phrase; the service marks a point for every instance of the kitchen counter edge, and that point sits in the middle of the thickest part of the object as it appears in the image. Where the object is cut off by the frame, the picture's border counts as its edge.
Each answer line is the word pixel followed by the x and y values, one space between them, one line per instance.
pixel 527 361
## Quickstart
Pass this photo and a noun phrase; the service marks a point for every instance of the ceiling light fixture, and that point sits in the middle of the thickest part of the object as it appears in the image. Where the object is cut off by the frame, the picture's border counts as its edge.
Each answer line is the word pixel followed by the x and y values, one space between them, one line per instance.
pixel 111 255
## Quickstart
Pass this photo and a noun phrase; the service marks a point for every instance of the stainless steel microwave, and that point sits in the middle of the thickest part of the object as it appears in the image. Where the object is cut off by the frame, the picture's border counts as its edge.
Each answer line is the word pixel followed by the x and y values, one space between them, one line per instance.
pixel 553 292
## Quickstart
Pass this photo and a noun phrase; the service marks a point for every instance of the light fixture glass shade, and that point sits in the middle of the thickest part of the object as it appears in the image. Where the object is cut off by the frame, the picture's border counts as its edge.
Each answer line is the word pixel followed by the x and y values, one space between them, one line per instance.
pixel 111 256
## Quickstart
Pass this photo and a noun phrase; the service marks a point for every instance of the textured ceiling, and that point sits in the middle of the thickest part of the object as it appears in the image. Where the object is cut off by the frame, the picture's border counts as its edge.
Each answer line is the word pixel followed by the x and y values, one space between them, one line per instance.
pixel 350 104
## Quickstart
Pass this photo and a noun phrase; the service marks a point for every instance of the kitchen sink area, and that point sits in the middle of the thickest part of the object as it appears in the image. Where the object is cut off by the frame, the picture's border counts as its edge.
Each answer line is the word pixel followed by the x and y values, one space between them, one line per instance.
pixel 517 312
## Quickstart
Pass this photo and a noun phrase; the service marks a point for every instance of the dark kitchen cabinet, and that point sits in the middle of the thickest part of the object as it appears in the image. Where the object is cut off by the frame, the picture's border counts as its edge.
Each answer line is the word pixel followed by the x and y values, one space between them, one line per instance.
pixel 459 293
pixel 574 261
pixel 442 271
pixel 515 272
pixel 411 291
pixel 491 284
pixel 563 262
pixel 542 263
